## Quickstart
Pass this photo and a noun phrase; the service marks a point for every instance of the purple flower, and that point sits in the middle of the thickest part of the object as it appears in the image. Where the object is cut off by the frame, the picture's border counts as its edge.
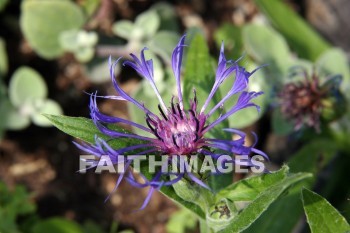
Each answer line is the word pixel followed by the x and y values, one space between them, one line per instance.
pixel 175 130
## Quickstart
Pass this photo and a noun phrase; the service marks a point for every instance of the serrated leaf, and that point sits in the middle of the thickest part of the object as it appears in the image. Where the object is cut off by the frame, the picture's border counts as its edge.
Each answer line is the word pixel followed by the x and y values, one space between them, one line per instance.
pixel 288 210
pixel 57 225
pixel 248 189
pixel 321 215
pixel 170 193
pixel 42 22
pixel 84 129
pixel 248 215
pixel 294 29
pixel 25 86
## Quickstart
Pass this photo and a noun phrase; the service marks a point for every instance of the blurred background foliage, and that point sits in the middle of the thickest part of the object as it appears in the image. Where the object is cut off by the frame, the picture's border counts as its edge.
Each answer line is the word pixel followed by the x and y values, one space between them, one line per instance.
pixel 52 51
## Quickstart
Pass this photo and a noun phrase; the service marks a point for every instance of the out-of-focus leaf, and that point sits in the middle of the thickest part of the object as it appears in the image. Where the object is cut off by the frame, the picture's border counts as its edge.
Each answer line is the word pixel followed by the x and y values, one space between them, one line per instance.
pixel 92 227
pixel 148 22
pixel 232 37
pixel 248 189
pixel 265 44
pixel 3 58
pixel 13 203
pixel 305 40
pixel 81 43
pixel 167 15
pixel 334 61
pixel 249 214
pixel 280 125
pixel 42 22
pixel 163 43
pixel 26 85
pixel 57 225
pixel 181 221
pixel 96 71
pixel 321 215
pixel 46 107
pixel 3 4
pixel 90 6
pixel 123 28
pixel 12 118
pixel 85 54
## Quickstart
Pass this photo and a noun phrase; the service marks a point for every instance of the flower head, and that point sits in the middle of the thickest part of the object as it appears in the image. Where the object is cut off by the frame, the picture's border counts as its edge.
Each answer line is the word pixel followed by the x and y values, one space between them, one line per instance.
pixel 176 130
pixel 304 102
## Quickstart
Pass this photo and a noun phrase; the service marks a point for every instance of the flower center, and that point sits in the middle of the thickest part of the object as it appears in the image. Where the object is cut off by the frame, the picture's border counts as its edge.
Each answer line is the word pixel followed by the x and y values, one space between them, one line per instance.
pixel 179 132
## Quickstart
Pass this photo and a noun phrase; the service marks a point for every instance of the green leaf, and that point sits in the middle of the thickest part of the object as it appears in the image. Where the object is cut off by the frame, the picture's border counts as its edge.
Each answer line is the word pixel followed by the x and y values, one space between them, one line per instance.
pixel 123 28
pixel 232 37
pixel 288 210
pixel 85 129
pixel 248 215
pixel 96 71
pixel 90 6
pixel 46 107
pixel 3 4
pixel 221 214
pixel 148 23
pixel 181 221
pixel 13 119
pixel 167 15
pixel 321 215
pixel 163 43
pixel 265 44
pixel 42 22
pixel 25 86
pixel 57 225
pixel 3 58
pixel 302 38
pixel 334 61
pixel 248 189
pixel 280 125
pixel 170 193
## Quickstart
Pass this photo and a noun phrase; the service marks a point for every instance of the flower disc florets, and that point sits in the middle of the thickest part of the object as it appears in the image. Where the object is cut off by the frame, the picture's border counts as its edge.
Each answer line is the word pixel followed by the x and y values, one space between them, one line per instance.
pixel 179 131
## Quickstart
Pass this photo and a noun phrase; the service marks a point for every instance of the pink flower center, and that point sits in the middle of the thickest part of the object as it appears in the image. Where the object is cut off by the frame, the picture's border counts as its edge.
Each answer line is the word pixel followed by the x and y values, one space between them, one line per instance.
pixel 179 132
